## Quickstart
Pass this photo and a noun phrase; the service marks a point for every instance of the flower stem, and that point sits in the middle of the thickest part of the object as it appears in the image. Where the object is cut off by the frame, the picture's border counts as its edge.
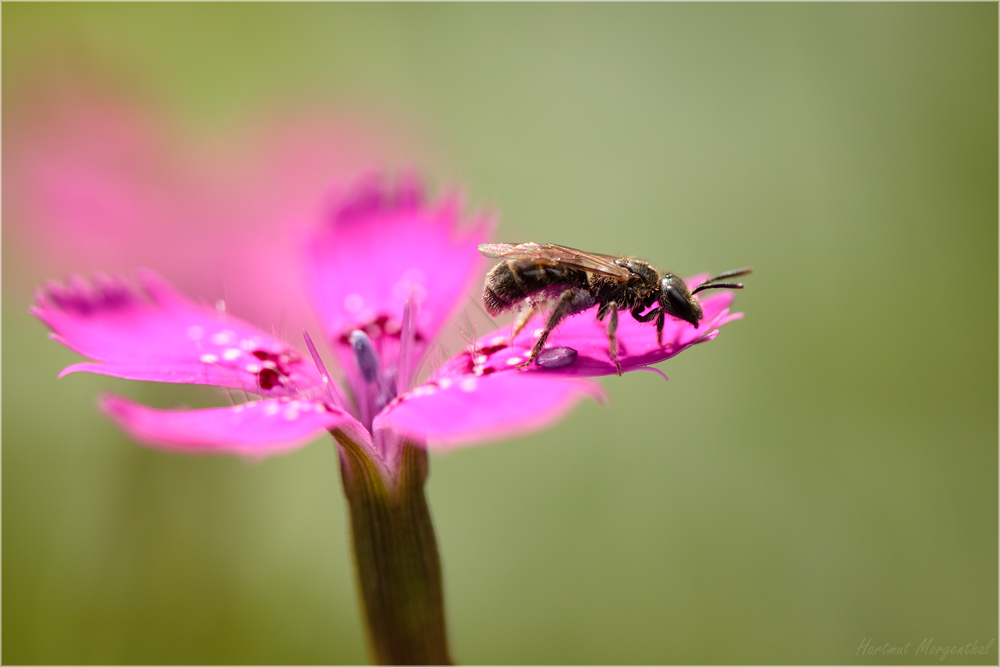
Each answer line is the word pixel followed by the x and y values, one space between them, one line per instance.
pixel 395 556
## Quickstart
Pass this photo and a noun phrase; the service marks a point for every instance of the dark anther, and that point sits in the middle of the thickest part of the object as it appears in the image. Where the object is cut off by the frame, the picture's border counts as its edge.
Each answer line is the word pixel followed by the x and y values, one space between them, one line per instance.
pixel 556 357
pixel 364 355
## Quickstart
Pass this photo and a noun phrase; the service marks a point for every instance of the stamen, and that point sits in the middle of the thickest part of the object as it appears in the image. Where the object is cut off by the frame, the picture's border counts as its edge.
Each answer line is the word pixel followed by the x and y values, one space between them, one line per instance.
pixel 365 356
pixel 387 388
pixel 406 339
pixel 331 387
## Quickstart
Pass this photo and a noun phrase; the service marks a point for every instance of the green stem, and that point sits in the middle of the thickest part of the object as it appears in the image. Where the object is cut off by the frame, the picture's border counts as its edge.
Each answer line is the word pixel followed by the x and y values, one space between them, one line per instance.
pixel 395 556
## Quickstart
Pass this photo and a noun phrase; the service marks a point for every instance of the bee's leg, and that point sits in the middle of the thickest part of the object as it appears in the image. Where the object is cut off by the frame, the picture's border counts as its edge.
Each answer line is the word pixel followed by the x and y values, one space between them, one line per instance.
pixel 658 313
pixel 612 338
pixel 522 319
pixel 639 317
pixel 563 306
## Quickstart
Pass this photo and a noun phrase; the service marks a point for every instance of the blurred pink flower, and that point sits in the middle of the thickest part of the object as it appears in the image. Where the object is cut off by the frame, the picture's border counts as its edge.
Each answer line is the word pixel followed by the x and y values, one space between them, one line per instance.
pixel 384 273
pixel 99 181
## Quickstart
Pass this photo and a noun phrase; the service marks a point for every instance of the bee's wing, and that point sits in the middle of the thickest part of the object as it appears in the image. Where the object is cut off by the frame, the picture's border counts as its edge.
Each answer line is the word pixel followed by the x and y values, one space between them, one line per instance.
pixel 550 254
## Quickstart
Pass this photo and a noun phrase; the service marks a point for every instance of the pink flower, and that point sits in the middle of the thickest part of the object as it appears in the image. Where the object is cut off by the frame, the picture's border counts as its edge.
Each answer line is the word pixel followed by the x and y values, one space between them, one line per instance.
pixel 384 273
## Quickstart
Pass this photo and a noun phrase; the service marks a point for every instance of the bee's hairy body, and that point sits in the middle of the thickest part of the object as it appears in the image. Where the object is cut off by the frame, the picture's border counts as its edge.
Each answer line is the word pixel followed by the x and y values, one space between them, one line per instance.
pixel 566 282
pixel 512 283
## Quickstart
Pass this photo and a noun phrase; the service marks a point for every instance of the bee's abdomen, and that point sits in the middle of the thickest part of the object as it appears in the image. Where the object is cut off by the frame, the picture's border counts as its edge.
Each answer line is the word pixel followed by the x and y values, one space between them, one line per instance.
pixel 501 291
pixel 510 283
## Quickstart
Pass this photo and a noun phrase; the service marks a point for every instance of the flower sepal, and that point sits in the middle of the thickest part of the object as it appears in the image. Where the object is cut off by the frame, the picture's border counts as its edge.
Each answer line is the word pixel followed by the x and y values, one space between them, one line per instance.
pixel 395 553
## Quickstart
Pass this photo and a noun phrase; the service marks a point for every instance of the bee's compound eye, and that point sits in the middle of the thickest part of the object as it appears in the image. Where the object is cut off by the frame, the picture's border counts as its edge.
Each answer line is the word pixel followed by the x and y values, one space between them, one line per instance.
pixel 676 299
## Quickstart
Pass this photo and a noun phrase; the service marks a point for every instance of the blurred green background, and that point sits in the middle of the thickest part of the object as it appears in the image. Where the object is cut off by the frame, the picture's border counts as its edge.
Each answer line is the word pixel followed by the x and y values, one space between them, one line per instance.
pixel 823 473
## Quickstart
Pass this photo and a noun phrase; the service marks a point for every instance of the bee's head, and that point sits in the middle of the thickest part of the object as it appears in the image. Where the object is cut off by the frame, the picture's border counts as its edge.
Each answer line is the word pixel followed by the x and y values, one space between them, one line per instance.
pixel 676 299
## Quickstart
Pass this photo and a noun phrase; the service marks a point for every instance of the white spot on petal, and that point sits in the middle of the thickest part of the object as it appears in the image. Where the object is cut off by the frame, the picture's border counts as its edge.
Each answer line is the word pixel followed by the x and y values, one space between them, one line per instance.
pixel 537 333
pixel 195 332
pixel 232 353
pixel 424 390
pixel 497 340
pixel 222 337
pixel 479 359
pixel 272 409
pixel 444 383
pixel 252 368
pixel 353 302
pixel 292 412
pixel 468 384
pixel 514 361
pixel 208 358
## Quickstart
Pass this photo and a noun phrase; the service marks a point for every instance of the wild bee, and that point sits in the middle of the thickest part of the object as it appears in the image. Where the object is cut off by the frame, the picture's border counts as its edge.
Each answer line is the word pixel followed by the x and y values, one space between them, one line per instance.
pixel 536 276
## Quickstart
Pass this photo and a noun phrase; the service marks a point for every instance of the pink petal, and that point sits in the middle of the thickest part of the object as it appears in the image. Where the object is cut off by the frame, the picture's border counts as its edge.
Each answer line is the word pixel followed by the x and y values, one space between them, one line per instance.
pixel 256 429
pixel 451 412
pixel 381 246
pixel 95 179
pixel 637 345
pixel 158 334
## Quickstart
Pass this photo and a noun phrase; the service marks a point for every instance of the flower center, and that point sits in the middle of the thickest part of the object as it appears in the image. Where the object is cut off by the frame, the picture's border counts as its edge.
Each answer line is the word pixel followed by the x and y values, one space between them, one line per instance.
pixel 377 327
pixel 385 351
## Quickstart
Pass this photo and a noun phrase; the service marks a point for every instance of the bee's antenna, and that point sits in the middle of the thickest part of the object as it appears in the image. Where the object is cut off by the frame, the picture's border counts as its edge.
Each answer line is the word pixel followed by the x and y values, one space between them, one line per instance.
pixel 735 273
pixel 707 286
pixel 712 283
